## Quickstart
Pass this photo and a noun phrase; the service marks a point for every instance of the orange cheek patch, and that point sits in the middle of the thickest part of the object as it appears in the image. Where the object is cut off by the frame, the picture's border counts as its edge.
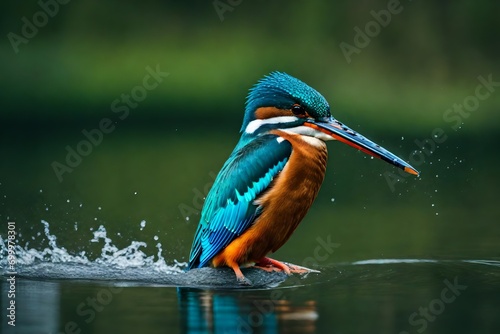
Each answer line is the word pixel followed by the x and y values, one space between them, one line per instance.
pixel 269 112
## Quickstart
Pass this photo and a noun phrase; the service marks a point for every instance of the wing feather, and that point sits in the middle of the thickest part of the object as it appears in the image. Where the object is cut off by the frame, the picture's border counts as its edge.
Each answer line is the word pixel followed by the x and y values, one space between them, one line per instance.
pixel 229 208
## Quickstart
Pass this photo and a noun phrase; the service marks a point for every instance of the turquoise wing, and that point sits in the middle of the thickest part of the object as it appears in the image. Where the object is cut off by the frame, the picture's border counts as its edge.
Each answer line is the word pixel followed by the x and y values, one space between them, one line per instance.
pixel 229 208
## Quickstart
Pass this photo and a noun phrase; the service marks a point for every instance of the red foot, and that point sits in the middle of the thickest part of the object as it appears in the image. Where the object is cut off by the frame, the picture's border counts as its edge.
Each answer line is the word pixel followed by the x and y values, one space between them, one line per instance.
pixel 269 265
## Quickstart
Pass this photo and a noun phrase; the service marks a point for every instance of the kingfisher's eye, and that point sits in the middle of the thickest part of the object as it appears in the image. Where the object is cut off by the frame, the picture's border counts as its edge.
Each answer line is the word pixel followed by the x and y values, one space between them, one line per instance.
pixel 298 110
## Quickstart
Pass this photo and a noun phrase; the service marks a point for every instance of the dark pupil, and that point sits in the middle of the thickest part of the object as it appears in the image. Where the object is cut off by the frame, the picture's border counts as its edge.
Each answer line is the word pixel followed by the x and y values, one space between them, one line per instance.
pixel 298 110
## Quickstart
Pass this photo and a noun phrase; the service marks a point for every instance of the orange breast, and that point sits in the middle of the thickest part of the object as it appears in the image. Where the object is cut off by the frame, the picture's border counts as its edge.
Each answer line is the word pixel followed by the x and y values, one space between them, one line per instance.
pixel 287 201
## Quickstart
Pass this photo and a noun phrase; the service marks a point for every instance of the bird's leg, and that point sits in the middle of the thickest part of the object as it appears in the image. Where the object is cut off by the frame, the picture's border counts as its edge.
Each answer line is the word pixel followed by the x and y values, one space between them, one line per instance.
pixel 269 265
pixel 239 275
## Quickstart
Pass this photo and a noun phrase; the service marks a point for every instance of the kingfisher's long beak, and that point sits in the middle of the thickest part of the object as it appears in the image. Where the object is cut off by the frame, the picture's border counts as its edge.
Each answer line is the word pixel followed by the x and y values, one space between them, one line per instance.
pixel 340 132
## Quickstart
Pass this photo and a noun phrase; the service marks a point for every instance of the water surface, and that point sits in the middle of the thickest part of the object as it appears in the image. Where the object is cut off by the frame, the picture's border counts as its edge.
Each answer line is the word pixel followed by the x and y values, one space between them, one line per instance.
pixel 103 251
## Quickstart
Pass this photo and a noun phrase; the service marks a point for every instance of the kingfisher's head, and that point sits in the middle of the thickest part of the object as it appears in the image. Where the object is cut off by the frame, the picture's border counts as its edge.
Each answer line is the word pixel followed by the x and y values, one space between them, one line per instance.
pixel 282 102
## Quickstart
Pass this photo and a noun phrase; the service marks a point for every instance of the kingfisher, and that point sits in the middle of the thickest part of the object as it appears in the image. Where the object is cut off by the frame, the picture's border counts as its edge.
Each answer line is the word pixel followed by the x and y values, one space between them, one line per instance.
pixel 272 177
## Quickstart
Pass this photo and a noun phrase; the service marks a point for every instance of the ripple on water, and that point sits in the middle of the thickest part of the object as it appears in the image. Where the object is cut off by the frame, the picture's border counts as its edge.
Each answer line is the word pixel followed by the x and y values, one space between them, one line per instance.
pixel 131 265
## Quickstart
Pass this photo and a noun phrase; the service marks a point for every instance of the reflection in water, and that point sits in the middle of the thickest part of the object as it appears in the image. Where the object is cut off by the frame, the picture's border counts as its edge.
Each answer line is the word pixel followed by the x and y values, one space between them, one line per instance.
pixel 37 307
pixel 208 311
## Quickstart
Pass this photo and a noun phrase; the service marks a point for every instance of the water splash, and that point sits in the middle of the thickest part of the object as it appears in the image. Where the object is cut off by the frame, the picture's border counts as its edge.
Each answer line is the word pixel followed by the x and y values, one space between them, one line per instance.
pixel 111 256
pixel 129 265
pixel 53 253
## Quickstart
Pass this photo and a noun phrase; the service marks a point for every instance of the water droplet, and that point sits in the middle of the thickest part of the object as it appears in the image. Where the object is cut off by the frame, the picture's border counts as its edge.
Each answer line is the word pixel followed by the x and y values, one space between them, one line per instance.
pixel 402 138
pixel 99 208
pixel 187 218
pixel 67 201
pixel 155 237
pixel 40 190
pixel 333 199
pixel 432 204
pixel 437 214
pixel 135 192
pixel 435 190
pixel 437 175
pixel 81 205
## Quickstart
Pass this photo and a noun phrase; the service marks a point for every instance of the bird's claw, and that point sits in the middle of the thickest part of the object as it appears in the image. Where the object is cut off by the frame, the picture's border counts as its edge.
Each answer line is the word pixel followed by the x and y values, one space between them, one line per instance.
pixel 271 265
pixel 244 281
pixel 299 269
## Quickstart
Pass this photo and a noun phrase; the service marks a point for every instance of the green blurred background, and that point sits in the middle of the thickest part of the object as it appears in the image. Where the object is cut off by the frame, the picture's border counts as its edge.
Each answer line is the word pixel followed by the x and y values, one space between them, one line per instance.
pixel 157 160
pixel 160 158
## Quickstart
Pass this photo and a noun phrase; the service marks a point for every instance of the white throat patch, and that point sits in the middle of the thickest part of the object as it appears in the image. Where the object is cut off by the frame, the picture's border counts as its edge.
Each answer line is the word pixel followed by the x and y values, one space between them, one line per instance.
pixel 306 131
pixel 255 124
